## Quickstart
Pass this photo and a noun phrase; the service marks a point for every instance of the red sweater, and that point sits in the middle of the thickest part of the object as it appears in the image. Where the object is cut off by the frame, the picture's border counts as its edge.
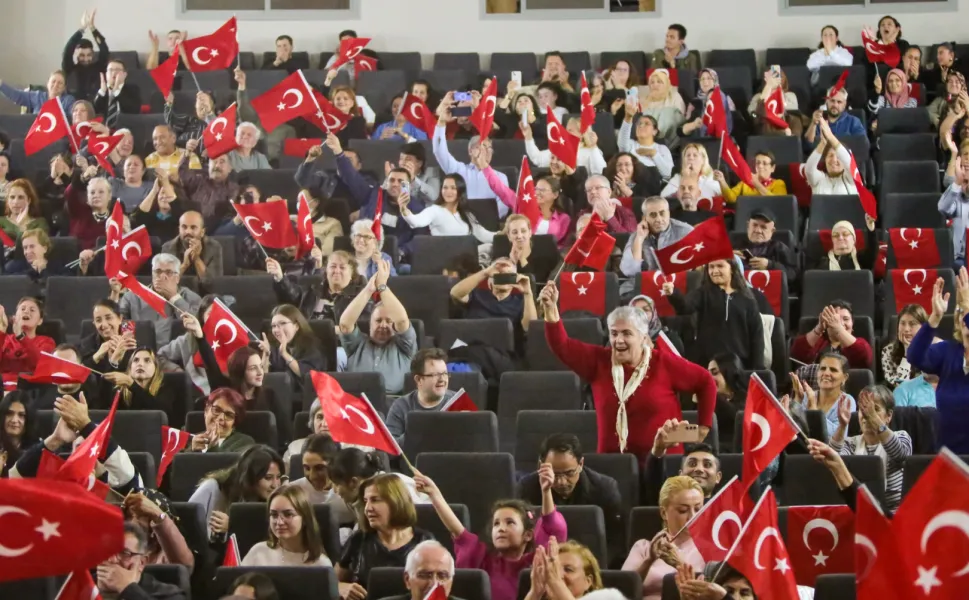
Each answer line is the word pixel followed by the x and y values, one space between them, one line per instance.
pixel 858 354
pixel 20 356
pixel 83 225
pixel 650 406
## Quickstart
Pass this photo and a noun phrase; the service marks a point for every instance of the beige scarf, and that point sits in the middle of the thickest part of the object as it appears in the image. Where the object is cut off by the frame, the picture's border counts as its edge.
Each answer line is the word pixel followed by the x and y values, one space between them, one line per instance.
pixel 624 392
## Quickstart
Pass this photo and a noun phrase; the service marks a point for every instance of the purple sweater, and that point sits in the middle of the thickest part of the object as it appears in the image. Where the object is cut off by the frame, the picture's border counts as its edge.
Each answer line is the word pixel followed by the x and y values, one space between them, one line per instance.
pixel 472 553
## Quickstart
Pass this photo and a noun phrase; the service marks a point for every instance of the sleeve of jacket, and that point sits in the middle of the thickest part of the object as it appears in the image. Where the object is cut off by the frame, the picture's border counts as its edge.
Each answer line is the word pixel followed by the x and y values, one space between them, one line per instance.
pixel 397 421
pixel 288 291
pixel 67 60
pixel 358 186
pixel 802 351
pixel 622 221
pixel 859 354
pixel 104 53
pixel 213 267
pixel 785 260
pixel 685 304
pixel 212 371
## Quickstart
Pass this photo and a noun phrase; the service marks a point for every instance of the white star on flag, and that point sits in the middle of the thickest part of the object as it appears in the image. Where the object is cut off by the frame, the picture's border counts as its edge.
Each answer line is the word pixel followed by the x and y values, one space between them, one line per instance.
pixel 115 244
pixel 95 449
pixel 927 579
pixel 917 290
pixel 48 529
pixel 266 226
pixel 914 244
pixel 820 559
pixel 781 565
pixel 582 290
pixel 213 53
pixel 215 345
pixel 281 106
pixel 308 239
pixel 526 198
pixel 698 247
pixel 319 114
pixel 218 137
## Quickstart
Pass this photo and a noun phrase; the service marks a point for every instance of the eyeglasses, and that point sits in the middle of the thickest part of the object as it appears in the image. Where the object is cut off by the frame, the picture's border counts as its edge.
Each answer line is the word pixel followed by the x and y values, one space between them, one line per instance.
pixel 444 375
pixel 364 237
pixel 285 515
pixel 592 188
pixel 281 324
pixel 218 412
pixel 432 575
pixel 127 555
pixel 163 272
pixel 566 474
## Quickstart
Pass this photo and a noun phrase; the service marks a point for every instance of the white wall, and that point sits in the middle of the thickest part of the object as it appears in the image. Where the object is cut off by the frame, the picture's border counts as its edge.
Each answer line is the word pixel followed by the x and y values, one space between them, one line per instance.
pixel 448 25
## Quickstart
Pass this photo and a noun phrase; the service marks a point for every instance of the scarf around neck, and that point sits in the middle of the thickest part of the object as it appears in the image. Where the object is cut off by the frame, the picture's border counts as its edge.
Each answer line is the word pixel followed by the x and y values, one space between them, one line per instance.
pixel 624 392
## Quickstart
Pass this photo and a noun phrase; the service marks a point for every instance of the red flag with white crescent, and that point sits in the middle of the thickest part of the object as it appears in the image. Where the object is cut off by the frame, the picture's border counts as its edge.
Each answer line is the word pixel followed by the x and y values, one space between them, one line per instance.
pixel 651 284
pixel 583 291
pixel 268 223
pixel 878 52
pixel 914 247
pixel 350 49
pixel 418 114
pixel 588 108
pixel 225 333
pixel 913 286
pixel 175 441
pixel 526 203
pixel 768 283
pixel 49 127
pixel 714 114
pixel 58 371
pixel 716 527
pixel 101 146
pixel 213 52
pixel 164 74
pixel 706 243
pixel 287 100
pixel 761 555
pixel 767 430
pixel 351 420
pixel 820 540
pixel 378 215
pixel 774 109
pixel 561 143
pixel 219 136
pixel 304 227
pixel 483 117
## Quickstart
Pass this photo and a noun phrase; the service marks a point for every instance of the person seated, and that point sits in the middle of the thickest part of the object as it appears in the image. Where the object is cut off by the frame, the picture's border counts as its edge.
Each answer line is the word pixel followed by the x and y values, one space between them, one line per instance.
pixel 836 178
pixel 201 255
pixel 689 195
pixel 131 188
pixel 757 107
pixel 451 213
pixel 830 376
pixel 34 264
pixel 718 581
pixel 764 183
pixel 662 102
pixel 693 125
pixel 253 586
pixel 117 157
pixel 896 95
pixel 833 333
pixel 949 108
pixel 589 156
pixel 425 179
pixel 574 484
pixel 518 230
pixel 294 535
pixel 498 300
pixel 630 178
pixel 21 348
pixel 831 52
pixel 727 370
pixel 918 391
pixel 275 138
pixel 153 512
pixel 212 190
pixel 655 231
pixel 912 65
pixel 952 205
pixel 224 410
pixel 296 349
pixel 617 217
pixel 648 306
pixel 387 533
pixel 33 100
pixel 680 498
pixel 165 279
pixel 253 478
pixel 326 300
pixel 895 367
pixel 946 62
pixel 17 426
pixel 836 117
pixel 285 59
pixel 645 147
pixel 509 117
pixel 166 155
pixel 674 54
pixel 760 251
pixel 44 396
pixel 183 354
pixel 116 96
pixel 428 565
pixel 392 342
pixel 548 94
pixel 727 313
pixel 556 71
pixel 318 451
pixel 143 387
pixel 429 369
pixel 694 160
pixel 161 210
pixel 185 127
pixel 844 254
pixel 554 218
pixel 22 209
pixel 348 66
pixel 87 199
pixel 245 157
pixel 83 72
pixel 123 575
pixel 368 250
pixel 398 128
pixel 347 102
pixel 620 76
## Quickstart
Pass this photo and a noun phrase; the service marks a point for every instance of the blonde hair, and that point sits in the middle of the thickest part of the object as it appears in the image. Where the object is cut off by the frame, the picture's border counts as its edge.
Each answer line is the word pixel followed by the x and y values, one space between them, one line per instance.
pixel 156 380
pixel 348 258
pixel 590 566
pixel 706 170
pixel 309 532
pixel 675 485
pixel 669 98
pixel 42 238
pixel 512 218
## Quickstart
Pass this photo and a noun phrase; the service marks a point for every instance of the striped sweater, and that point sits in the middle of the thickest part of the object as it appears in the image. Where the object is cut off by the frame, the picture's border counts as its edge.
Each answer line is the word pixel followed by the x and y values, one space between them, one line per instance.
pixel 897 448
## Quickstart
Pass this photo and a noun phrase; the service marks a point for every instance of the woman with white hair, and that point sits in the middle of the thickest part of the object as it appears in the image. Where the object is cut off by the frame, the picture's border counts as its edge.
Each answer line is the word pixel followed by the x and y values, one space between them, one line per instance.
pixel 245 157
pixel 634 383
pixel 88 208
pixel 844 254
pixel 366 246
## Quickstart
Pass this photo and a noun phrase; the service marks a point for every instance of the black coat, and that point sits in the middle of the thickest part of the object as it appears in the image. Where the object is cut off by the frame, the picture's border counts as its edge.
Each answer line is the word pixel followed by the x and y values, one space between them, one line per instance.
pixel 725 324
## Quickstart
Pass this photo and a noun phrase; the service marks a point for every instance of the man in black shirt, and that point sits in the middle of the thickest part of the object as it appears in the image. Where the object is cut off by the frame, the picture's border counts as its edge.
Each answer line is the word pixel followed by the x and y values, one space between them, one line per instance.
pixel 284 57
pixel 78 63
pixel 761 252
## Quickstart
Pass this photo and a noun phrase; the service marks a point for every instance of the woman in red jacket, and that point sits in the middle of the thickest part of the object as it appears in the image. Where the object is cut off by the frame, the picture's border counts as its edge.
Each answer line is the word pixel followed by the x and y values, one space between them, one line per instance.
pixel 20 350
pixel 634 383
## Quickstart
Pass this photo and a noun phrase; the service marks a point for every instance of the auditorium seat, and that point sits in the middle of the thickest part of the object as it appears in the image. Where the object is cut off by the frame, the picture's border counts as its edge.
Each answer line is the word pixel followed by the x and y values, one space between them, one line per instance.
pixel 459 61
pixel 374 154
pixel 819 288
pixel 910 177
pixel 291 583
pixel 494 479
pixel 533 390
pixel 260 425
pixel 431 253
pixel 249 521
pixel 786 149
pixel 828 209
pixel 177 575
pixel 446 80
pixel 807 482
pixel 254 294
pixel 574 62
pixel 644 523
pixel 909 210
pixel 907 146
pixel 428 520
pixel 473 383
pixel 539 356
pixel 904 120
pixel 784 209
pixel 525 62
pixel 16 287
pixel 624 468
pixel 400 61
pixel 835 587
pixel 496 333
pixel 533 426
pixel 450 432
pixel 189 468
pixel 134 430
pixel 586 525
pixel 425 297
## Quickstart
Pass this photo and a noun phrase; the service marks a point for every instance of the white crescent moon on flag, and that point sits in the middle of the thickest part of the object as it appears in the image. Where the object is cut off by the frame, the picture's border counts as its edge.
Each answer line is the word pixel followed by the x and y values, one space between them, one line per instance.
pixel 820 524
pixel 950 518
pixel 866 543
pixel 591 275
pixel 252 229
pixel 554 127
pixel 413 111
pixel 924 273
pixel 101 147
pixel 60 375
pixel 50 118
pixel 295 92
pixel 228 324
pixel 195 55
pixel 14 552
pixel 124 250
pixel 221 120
pixel 113 224
pixel 675 257
pixel 369 429
pixel 766 533
pixel 759 420
pixel 493 102
pixel 750 278
pixel 353 52
pixel 722 518
pixel 331 126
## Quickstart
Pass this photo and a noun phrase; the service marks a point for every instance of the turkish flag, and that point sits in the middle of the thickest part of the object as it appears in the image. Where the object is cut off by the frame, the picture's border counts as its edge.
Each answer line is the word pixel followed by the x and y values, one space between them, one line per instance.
pixel 932 526
pixel 483 117
pixel 287 100
pixel 232 556
pixel 378 214
pixel 364 63
pixel 770 285
pixel 49 127
pixel 150 296
pixel 327 117
pixel 915 91
pixel 588 108
pixel 761 555
pixel 234 334
pixel 831 547
pixel 527 203
pixel 735 160
pixel 714 205
pixel 127 254
pixel 79 586
pixel 881 261
pixel 299 147
pixel 112 244
pixel 826 243
pixel 83 129
pixel 268 223
pixel 674 75
pixel 175 442
pixel 768 429
pixel 714 115
pixel 876 551
pixel 868 201
pixel 584 291
pixel 774 108
pixel 840 84
pixel 5 240
pixel 80 464
pixel 460 402
pixel 711 528
pixel 593 247
pixel 418 114
pixel 50 464
pixel 219 136
pixel 561 143
pixel 436 593
pixel 651 284
pixel 914 251
pixel 349 50
pixel 54 370
pixel 706 243
pixel 662 341
pixel 213 52
pixel 799 185
pixel 877 52
pixel 164 74
pixel 913 286
pixel 53 527
pixel 304 227
pixel 364 427
pixel 101 146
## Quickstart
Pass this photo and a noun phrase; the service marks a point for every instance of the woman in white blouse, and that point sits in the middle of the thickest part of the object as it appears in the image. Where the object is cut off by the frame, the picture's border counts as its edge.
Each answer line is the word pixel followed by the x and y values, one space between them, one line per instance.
pixel 294 536
pixel 830 53
pixel 589 156
pixel 694 159
pixel 644 147
pixel 548 94
pixel 450 215
pixel 837 178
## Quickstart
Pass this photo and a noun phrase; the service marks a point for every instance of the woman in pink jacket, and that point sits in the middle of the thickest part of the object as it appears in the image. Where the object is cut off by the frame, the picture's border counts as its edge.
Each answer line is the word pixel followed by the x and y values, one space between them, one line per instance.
pixel 548 194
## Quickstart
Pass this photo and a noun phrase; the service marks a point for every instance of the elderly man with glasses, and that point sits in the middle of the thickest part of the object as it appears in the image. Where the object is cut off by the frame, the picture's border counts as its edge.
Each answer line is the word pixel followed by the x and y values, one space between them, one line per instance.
pixel 428 564
pixel 165 277
pixel 431 378
pixel 618 218
pixel 123 575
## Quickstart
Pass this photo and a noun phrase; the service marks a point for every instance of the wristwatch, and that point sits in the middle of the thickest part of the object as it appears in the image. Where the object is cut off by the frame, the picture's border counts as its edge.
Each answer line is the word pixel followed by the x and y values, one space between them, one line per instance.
pixel 381 288
pixel 883 428
pixel 159 519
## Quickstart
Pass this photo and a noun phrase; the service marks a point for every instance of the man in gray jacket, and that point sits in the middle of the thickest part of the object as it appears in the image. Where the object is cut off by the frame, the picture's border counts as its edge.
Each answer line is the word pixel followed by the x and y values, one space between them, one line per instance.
pixel 429 370
pixel 656 230
pixel 954 204
pixel 165 277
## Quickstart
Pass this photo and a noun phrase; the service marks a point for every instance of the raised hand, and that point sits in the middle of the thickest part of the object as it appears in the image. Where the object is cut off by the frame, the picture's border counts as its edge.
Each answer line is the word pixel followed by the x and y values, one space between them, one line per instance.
pixel 549 295
pixel 546 477
pixel 940 302
pixel 844 411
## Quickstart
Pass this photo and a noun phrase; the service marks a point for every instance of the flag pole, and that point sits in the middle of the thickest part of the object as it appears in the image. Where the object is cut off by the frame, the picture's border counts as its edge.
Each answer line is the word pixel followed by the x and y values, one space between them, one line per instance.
pixel 383 427
pixel 264 253
pixel 196 80
pixel 249 331
pixel 740 536
pixel 70 128
pixel 75 263
pixel 313 97
pixel 703 508
pixel 720 154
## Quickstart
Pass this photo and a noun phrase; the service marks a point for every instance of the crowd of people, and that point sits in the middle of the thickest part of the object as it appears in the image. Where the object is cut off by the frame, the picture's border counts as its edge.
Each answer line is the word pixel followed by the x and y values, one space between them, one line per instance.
pixel 338 307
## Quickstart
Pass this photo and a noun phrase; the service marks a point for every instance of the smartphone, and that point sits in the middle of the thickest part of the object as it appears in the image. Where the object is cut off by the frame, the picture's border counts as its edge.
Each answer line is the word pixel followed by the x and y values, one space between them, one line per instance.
pixel 126 327
pixel 504 278
pixel 747 254
pixel 462 96
pixel 516 76
pixel 405 188
pixel 632 96
pixel 461 111
pixel 775 70
pixel 524 118
pixel 685 433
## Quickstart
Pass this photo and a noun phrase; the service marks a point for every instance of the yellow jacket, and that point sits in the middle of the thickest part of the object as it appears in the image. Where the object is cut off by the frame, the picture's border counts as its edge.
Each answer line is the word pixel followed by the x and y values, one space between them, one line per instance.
pixel 777 187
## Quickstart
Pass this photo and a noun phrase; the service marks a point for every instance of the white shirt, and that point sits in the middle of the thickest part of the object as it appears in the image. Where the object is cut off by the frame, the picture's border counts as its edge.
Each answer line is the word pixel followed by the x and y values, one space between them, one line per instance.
pixel 590 158
pixel 709 188
pixel 261 555
pixel 662 160
pixel 821 183
pixel 839 57
pixel 441 221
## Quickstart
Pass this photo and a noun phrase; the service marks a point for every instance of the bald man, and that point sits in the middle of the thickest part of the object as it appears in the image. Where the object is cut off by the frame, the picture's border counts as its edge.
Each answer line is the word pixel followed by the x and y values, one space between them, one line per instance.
pixel 166 155
pixel 201 256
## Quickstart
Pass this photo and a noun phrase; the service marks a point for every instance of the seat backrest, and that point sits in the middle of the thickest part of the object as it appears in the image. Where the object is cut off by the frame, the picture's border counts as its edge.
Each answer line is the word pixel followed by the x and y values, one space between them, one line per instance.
pixel 494 479
pixel 624 468
pixel 533 426
pixel 177 575
pixel 908 210
pixel 819 288
pixel 403 61
pixel 533 390
pixel 428 520
pixel 910 176
pixel 144 463
pixel 786 149
pixel 915 465
pixel 292 583
pixel 432 253
pixel 259 425
pixel 425 297
pixel 539 355
pixel 472 382
pixel 188 469
pixel 467 61
pixel 375 153
pixel 136 430
pixel 450 432
pixel 805 482
pixel 828 209
pixel 587 525
pixel 840 586
pixel 904 120
pixel 783 207
pixel 644 523
pixel 496 333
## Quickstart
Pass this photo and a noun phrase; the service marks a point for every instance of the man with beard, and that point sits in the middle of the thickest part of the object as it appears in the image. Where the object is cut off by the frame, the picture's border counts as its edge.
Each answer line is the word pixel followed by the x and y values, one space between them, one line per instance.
pixel 655 231
pixel 78 63
pixel 213 190
pixel 688 196
pixel 201 255
pixel 429 370
pixel 699 462
pixel 760 251
pixel 392 341
pixel 835 110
